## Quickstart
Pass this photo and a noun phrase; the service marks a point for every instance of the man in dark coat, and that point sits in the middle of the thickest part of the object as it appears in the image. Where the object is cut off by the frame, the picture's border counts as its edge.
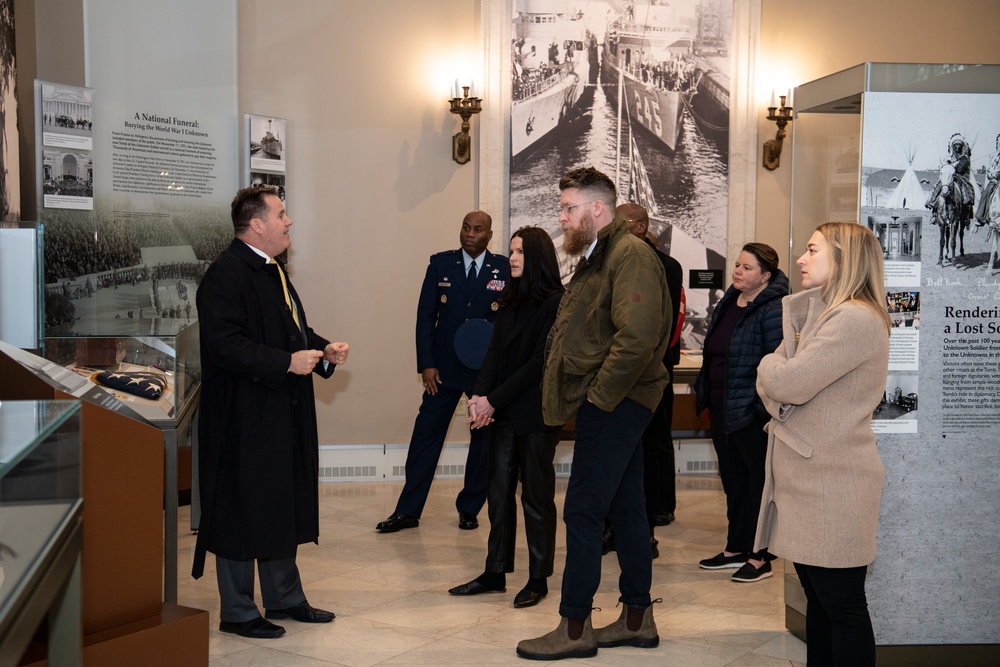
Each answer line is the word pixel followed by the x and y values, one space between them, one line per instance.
pixel 259 453
pixel 657 440
pixel 460 285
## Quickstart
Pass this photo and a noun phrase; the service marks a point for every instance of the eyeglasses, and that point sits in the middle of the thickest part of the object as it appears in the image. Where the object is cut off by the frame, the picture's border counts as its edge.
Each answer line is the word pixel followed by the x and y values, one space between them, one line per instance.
pixel 567 207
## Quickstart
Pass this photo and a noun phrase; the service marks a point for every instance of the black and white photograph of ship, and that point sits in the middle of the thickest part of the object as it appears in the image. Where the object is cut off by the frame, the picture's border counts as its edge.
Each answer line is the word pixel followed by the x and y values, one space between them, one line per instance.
pixel 668 59
pixel 553 58
pixel 267 148
pixel 653 114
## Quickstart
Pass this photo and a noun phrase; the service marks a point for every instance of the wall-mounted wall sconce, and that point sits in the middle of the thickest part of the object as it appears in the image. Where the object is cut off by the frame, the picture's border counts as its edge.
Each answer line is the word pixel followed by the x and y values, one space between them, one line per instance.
pixel 465 105
pixel 782 116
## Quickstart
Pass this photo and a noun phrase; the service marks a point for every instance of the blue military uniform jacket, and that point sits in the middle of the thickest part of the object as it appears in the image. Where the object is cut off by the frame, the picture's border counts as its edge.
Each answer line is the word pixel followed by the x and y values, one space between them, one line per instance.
pixel 446 301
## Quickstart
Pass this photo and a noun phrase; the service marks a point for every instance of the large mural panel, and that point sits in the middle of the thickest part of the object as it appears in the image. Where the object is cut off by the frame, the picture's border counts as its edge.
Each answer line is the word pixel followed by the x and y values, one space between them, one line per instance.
pixel 641 92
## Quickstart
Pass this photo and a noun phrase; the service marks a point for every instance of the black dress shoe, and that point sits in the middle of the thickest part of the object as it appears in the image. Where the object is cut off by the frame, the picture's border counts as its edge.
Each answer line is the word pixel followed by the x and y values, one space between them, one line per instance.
pixel 302 612
pixel 655 547
pixel 607 541
pixel 467 521
pixel 474 588
pixel 527 598
pixel 397 522
pixel 258 628
pixel 663 518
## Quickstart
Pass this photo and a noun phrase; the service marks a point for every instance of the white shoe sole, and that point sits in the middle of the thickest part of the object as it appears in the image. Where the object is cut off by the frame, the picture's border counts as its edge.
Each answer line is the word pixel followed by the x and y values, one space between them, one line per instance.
pixel 757 578
pixel 730 566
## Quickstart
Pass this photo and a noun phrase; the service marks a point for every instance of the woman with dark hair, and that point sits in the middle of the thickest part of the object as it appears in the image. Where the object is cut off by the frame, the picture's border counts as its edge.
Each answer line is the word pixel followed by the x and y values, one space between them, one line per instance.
pixel 745 326
pixel 824 475
pixel 508 395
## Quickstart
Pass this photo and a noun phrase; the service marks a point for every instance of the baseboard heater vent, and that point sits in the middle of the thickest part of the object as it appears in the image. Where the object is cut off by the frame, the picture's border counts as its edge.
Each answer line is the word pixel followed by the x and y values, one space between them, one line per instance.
pixel 360 473
pixel 440 471
pixel 702 466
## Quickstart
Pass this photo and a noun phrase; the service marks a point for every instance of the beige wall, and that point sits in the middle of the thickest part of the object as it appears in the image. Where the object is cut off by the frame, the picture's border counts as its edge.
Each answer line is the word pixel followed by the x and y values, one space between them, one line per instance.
pixel 809 40
pixel 372 188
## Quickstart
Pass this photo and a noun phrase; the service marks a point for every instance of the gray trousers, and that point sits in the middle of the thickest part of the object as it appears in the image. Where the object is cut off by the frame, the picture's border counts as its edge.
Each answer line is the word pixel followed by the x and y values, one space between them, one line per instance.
pixel 280 587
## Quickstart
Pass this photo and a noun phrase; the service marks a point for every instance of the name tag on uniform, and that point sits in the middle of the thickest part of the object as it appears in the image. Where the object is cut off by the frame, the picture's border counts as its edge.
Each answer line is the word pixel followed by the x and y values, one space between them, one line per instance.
pixel 444 284
pixel 495 285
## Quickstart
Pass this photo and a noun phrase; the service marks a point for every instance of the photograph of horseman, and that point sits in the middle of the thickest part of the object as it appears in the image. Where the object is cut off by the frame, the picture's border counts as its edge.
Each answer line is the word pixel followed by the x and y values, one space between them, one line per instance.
pixel 929 180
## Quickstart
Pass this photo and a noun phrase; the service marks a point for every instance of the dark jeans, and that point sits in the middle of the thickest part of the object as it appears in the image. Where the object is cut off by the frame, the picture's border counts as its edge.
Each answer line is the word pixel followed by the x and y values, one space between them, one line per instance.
pixel 742 455
pixel 529 455
pixel 838 627
pixel 606 481
pixel 658 457
pixel 429 431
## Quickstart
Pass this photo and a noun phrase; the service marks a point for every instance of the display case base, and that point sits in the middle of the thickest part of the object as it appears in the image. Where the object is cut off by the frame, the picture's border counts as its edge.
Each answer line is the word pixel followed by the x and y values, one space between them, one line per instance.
pixel 176 636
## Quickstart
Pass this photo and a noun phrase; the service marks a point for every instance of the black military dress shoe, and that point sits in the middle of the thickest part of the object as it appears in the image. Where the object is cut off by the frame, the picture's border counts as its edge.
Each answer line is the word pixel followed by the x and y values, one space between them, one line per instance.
pixel 302 612
pixel 527 598
pixel 397 522
pixel 663 518
pixel 474 588
pixel 258 628
pixel 467 521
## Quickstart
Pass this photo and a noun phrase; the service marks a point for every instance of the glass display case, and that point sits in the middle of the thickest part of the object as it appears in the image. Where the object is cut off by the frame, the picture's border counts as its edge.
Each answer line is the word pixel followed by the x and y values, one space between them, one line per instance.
pixel 41 535
pixel 20 277
pixel 124 365
pixel 830 180
pixel 912 152
pixel 116 373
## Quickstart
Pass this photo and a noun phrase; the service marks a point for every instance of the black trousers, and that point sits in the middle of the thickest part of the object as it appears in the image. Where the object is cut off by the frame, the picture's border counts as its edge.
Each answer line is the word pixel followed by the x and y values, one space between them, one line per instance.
pixel 658 457
pixel 838 626
pixel 606 481
pixel 429 432
pixel 529 456
pixel 742 455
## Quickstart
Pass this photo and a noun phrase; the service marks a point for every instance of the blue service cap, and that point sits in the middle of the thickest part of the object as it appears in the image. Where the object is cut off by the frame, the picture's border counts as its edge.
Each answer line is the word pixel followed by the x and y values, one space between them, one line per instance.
pixel 472 339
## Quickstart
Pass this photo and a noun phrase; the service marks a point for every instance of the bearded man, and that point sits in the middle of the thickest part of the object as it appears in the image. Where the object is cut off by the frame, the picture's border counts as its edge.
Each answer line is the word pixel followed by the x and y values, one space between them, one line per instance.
pixel 604 366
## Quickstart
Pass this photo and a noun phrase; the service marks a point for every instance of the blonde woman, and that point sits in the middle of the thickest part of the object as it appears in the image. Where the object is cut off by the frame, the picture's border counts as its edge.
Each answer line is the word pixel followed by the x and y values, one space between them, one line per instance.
pixel 824 476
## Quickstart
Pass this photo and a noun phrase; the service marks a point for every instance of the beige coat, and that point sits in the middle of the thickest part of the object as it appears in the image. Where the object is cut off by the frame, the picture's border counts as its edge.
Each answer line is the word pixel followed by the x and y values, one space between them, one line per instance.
pixel 823 480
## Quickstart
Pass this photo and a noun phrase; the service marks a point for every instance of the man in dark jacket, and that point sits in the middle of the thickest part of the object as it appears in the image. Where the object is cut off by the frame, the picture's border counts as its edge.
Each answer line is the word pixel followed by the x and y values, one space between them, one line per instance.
pixel 604 366
pixel 657 441
pixel 259 451
pixel 459 286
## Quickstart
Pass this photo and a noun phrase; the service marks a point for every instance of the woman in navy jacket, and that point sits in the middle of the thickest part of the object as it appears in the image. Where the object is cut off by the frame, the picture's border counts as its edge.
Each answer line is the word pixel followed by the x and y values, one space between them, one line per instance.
pixel 745 326
pixel 508 395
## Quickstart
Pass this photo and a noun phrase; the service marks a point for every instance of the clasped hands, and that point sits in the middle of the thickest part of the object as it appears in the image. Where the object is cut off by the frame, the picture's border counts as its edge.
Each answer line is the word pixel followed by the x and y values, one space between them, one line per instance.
pixel 304 361
pixel 480 412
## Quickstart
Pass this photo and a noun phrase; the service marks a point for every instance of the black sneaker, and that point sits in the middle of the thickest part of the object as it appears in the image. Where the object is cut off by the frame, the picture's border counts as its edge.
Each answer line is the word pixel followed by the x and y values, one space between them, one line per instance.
pixel 748 573
pixel 722 561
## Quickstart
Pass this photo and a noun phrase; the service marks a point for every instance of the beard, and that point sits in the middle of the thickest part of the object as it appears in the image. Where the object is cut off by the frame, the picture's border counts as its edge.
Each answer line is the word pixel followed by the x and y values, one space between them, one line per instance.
pixel 578 239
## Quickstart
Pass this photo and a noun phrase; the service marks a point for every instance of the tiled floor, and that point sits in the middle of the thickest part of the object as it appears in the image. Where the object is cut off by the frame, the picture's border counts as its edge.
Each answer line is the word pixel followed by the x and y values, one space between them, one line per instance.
pixel 390 593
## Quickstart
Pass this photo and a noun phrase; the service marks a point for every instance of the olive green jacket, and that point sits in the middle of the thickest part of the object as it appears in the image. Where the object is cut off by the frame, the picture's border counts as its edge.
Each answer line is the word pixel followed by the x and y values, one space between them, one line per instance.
pixel 611 332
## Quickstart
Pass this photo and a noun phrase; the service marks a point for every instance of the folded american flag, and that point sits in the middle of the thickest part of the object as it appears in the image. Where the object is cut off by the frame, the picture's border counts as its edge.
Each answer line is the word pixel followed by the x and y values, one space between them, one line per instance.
pixel 137 383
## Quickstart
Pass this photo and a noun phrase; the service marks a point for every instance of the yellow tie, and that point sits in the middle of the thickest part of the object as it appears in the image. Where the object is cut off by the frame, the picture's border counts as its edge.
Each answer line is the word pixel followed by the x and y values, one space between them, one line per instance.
pixel 288 298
